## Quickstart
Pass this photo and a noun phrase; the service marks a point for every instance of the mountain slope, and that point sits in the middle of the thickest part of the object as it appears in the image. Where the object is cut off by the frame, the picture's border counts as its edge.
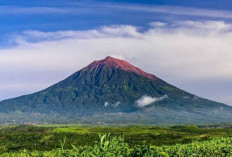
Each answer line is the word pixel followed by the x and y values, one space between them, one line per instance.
pixel 113 91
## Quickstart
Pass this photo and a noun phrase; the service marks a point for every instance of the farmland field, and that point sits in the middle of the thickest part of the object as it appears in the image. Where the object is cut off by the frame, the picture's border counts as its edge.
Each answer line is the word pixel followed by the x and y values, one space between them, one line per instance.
pixel 84 140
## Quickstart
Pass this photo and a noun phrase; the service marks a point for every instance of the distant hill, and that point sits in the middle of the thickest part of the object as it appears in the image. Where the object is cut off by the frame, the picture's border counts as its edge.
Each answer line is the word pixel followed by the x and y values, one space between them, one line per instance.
pixel 113 91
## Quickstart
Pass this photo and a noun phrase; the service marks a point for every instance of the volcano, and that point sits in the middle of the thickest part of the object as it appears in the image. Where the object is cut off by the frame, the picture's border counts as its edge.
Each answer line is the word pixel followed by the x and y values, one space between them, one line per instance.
pixel 112 91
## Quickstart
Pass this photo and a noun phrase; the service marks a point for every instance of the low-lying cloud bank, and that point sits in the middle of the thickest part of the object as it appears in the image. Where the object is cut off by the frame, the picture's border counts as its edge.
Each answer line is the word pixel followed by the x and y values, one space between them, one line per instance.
pixel 148 100
pixel 176 52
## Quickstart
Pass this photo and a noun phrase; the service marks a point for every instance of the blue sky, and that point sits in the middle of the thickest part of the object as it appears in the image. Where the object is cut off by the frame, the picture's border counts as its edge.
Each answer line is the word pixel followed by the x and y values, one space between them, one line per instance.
pixel 17 16
pixel 185 42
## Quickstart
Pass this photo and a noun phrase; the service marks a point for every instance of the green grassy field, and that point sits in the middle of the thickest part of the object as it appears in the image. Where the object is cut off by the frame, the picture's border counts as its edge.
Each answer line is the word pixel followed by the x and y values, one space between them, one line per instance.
pixel 48 140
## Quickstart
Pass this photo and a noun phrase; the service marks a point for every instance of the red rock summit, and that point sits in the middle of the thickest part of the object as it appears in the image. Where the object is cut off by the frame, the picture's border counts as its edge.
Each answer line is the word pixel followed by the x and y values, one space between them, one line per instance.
pixel 118 63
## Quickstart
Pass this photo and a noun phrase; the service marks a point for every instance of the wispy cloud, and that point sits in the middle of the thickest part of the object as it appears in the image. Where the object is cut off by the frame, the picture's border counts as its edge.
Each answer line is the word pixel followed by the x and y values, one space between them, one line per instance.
pixel 118 57
pixel 206 25
pixel 176 10
pixel 158 24
pixel 95 7
pixel 106 104
pixel 33 36
pixel 33 10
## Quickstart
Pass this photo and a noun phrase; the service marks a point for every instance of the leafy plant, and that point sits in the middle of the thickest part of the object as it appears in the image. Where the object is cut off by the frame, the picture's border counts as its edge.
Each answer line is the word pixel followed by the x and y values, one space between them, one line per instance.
pixel 109 146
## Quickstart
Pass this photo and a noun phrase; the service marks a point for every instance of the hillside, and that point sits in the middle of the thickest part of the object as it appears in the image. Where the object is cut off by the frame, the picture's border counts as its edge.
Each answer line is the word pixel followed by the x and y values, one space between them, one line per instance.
pixel 113 91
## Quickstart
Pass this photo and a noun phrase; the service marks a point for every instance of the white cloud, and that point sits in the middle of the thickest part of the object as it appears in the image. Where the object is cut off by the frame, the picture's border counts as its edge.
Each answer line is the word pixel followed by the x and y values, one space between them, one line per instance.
pixel 148 100
pixel 214 26
pixel 34 36
pixel 33 10
pixel 116 104
pixel 176 10
pixel 113 105
pixel 180 51
pixel 158 24
pixel 86 7
pixel 118 57
pixel 106 104
pixel 94 7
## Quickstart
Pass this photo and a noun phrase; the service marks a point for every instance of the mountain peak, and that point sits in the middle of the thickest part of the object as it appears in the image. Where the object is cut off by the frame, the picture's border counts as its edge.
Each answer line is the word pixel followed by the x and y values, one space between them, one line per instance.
pixel 108 58
pixel 118 63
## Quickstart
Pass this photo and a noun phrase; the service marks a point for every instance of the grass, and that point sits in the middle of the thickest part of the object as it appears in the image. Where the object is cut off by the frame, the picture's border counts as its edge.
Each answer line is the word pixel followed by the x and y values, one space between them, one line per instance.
pixel 46 138
pixel 116 147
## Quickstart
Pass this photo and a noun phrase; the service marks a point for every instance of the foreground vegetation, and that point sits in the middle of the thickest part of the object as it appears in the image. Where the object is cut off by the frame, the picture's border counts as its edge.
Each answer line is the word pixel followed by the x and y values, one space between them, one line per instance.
pixel 80 140
pixel 117 147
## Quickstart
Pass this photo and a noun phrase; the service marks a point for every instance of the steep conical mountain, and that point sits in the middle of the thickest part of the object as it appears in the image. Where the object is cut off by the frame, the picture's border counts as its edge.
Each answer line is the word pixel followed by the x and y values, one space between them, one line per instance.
pixel 113 91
